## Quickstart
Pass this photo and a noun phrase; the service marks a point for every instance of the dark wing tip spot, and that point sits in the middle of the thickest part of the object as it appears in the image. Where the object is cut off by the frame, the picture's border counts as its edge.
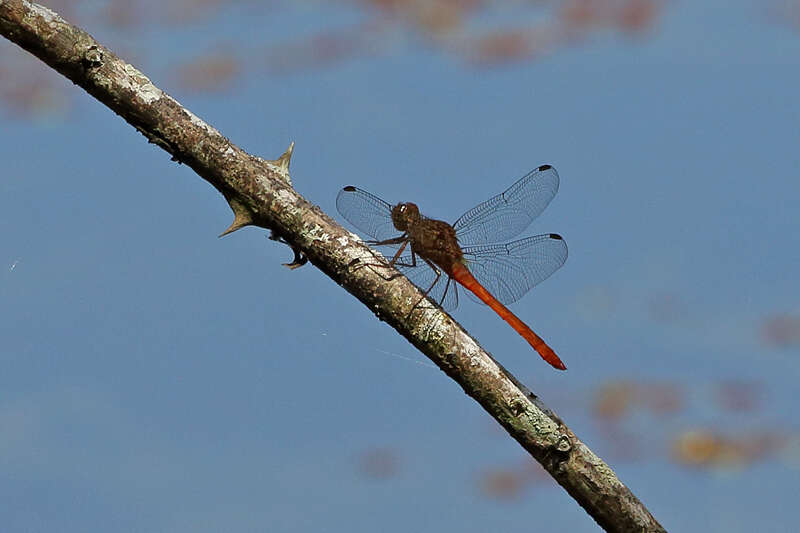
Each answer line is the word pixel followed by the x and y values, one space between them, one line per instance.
pixel 349 188
pixel 545 167
pixel 556 237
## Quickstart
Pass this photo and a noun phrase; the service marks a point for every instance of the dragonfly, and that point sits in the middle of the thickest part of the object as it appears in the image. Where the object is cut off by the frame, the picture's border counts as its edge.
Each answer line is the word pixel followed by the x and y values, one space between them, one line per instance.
pixel 437 256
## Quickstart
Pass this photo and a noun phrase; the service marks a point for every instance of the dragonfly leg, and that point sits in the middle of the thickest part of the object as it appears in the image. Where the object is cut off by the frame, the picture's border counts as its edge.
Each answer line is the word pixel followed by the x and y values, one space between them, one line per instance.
pixel 378 268
pixel 395 240
pixel 397 254
pixel 393 262
pixel 435 280
pixel 448 287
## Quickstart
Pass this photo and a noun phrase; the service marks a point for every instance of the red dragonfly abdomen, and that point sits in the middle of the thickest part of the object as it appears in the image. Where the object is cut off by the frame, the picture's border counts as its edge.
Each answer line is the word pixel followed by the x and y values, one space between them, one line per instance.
pixel 461 274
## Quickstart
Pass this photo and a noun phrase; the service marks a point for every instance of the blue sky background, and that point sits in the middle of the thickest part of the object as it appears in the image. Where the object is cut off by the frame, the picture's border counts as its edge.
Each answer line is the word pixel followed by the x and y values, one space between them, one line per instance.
pixel 157 378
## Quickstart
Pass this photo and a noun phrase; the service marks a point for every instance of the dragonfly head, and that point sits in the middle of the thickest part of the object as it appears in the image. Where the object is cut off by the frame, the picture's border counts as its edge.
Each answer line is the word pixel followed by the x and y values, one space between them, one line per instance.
pixel 405 215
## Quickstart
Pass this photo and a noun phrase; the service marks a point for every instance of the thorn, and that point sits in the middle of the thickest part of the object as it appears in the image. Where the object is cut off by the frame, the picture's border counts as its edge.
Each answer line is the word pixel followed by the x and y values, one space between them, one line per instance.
pixel 241 217
pixel 300 258
pixel 285 158
pixel 283 162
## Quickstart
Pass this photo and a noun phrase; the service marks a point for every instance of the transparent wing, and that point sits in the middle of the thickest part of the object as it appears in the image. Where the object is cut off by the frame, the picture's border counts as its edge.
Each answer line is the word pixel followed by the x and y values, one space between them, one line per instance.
pixel 506 215
pixel 368 213
pixel 423 276
pixel 373 217
pixel 443 292
pixel 508 271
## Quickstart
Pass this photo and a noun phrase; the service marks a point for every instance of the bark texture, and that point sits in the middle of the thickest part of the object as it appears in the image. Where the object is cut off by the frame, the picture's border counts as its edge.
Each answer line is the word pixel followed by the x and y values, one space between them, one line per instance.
pixel 260 194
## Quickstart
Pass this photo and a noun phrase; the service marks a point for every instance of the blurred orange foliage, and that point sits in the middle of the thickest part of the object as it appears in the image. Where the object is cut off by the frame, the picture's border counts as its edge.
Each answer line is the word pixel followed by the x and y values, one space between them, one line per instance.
pixel 509 483
pixel 738 396
pixel 462 29
pixel 781 331
pixel 703 448
pixel 615 399
pixel 211 73
pixel 379 463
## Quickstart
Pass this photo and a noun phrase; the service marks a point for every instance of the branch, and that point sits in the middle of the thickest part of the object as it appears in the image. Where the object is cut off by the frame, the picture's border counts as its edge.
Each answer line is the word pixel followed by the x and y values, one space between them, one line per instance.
pixel 260 194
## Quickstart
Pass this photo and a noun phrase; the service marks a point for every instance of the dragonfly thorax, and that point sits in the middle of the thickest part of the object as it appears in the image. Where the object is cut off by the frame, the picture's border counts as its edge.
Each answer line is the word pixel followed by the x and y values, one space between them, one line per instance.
pixel 405 215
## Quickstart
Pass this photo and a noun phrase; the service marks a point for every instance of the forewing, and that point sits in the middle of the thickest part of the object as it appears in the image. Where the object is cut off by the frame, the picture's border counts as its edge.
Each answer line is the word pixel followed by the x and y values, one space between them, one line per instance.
pixel 508 214
pixel 373 217
pixel 368 213
pixel 508 271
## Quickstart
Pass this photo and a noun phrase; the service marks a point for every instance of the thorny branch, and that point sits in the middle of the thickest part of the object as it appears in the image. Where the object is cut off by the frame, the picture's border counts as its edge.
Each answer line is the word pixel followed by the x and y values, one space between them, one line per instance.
pixel 260 194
